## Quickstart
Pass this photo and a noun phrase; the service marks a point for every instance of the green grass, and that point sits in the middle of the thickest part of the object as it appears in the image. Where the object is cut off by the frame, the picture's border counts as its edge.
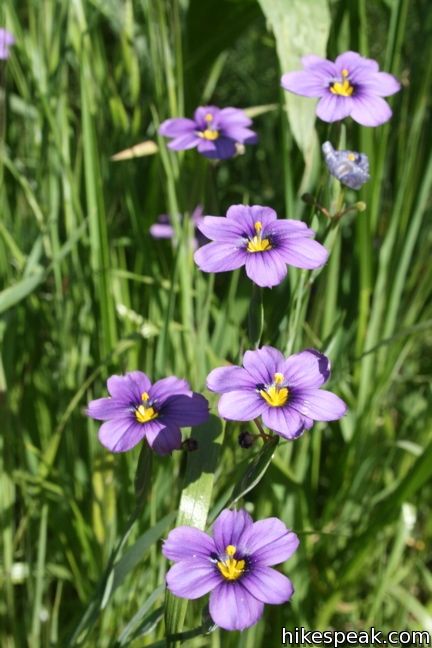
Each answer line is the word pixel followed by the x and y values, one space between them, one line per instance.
pixel 85 292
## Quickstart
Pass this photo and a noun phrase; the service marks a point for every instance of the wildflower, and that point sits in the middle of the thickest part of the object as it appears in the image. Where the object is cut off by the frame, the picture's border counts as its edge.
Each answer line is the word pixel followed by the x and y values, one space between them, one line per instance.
pixel 283 391
pixel 6 41
pixel 163 229
pixel 255 238
pixel 234 565
pixel 349 167
pixel 137 410
pixel 213 131
pixel 352 85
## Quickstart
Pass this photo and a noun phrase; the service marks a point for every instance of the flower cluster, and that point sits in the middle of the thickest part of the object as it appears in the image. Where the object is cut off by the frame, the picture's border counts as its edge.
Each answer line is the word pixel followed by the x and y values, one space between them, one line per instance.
pixel 234 564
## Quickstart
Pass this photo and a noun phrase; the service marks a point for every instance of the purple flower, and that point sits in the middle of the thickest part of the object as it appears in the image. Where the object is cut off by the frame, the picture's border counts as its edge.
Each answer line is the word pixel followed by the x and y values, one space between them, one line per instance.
pixel 283 391
pixel 255 238
pixel 137 410
pixel 349 167
pixel 234 564
pixel 213 131
pixel 163 229
pixel 6 40
pixel 352 85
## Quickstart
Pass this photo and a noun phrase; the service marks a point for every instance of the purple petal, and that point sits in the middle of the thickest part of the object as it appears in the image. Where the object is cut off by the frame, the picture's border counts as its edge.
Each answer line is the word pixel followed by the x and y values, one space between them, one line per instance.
pixel 225 148
pixel 270 542
pixel 303 253
pixel 285 420
pixel 121 387
pixel 325 68
pixel 306 83
pixel 166 387
pixel 191 579
pixel 219 228
pixel 233 116
pixel 241 405
pixel 319 404
pixel 240 134
pixel 206 147
pixel 139 383
pixel 233 608
pixel 162 231
pixel 177 127
pixel 202 111
pixel 268 585
pixel 219 257
pixel 353 60
pixel 370 111
pixel 266 269
pixel 184 142
pixel 331 107
pixel 185 543
pixel 247 216
pixel 287 229
pixel 229 527
pixel 308 369
pixel 162 438
pixel 104 409
pixel 381 84
pixel 185 409
pixel 225 379
pixel 263 363
pixel 120 435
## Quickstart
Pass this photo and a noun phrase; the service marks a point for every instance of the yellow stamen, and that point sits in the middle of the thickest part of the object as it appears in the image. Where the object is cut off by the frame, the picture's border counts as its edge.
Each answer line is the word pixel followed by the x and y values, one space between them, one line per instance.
pixel 257 244
pixel 344 89
pixel 351 156
pixel 209 134
pixel 231 569
pixel 208 117
pixel 345 73
pixel 230 550
pixel 275 395
pixel 144 414
pixel 258 227
pixel 145 396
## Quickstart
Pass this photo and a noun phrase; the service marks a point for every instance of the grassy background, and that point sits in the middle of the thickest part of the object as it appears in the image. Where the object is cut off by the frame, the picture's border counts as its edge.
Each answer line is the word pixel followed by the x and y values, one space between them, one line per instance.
pixel 85 292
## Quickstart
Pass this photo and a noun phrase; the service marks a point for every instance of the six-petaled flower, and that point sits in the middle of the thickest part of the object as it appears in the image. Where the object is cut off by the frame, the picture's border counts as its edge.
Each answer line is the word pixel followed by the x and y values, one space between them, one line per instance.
pixel 138 409
pixel 285 392
pixel 352 85
pixel 213 131
pixel 234 564
pixel 255 238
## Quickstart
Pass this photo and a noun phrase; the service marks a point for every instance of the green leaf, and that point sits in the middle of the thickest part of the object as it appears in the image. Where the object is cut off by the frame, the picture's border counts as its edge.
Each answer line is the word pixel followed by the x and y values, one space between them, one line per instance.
pixel 299 28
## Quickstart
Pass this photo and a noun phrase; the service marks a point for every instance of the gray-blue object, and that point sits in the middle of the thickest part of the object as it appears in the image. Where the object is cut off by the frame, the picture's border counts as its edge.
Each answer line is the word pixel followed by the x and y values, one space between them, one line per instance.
pixel 349 167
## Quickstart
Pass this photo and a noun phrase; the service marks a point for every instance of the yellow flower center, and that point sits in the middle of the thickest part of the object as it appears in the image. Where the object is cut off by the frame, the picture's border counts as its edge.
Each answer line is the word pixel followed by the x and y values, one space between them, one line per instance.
pixel 343 88
pixel 230 568
pixel 209 134
pixel 144 413
pixel 275 395
pixel 351 157
pixel 258 244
